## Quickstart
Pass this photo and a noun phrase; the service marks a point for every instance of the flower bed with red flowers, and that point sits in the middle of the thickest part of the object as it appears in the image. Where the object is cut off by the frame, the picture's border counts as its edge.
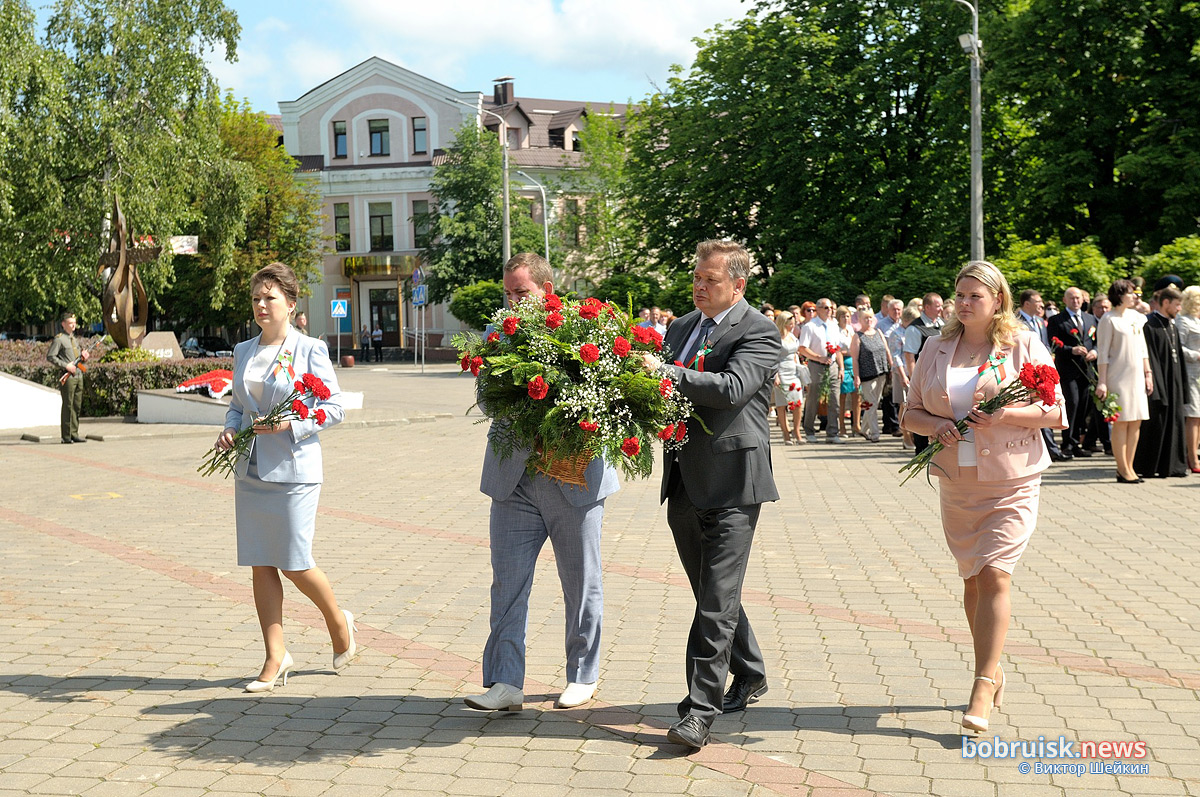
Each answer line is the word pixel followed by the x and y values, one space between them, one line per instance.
pixel 565 378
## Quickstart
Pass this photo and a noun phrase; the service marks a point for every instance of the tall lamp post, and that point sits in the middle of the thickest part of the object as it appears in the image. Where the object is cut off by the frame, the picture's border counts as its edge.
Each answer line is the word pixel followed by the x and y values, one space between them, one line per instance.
pixel 545 212
pixel 506 251
pixel 973 47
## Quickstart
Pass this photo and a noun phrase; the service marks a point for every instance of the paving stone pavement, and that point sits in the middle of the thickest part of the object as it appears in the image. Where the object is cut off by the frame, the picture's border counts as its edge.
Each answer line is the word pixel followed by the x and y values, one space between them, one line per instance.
pixel 128 630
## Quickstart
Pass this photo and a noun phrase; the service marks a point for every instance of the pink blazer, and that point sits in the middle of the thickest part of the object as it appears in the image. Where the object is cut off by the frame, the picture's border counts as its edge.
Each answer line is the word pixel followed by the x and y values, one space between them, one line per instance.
pixel 1003 451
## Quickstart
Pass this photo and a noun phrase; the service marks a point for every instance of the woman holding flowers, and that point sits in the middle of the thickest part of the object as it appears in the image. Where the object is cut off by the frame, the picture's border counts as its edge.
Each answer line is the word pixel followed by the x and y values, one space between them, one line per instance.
pixel 988 458
pixel 1123 366
pixel 279 481
pixel 787 394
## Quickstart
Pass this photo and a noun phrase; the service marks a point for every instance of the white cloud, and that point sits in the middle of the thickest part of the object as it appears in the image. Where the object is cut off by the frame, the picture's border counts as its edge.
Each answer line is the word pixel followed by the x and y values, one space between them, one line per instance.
pixel 634 37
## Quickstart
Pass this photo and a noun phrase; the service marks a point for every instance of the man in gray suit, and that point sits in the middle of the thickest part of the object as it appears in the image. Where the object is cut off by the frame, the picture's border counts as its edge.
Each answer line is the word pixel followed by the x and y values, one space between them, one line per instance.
pixel 526 510
pixel 715 486
pixel 67 355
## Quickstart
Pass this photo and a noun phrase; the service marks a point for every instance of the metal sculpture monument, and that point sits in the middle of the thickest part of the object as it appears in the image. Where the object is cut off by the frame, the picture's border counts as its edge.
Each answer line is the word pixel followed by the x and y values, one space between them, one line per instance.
pixel 124 301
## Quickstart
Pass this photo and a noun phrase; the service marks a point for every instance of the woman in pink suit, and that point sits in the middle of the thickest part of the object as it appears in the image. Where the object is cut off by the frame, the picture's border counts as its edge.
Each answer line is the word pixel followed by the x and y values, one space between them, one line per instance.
pixel 991 476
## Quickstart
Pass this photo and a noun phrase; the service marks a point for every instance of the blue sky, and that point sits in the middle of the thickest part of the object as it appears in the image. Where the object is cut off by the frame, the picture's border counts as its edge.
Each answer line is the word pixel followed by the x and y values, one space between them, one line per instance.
pixel 592 50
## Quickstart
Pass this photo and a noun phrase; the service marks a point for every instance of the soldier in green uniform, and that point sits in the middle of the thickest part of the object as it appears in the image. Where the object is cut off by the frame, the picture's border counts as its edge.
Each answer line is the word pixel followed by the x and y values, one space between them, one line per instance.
pixel 66 353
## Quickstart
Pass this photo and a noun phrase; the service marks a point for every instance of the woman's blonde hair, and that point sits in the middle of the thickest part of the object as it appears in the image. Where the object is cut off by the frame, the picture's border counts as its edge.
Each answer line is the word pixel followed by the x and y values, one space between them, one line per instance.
pixel 1004 327
pixel 781 319
pixel 1191 301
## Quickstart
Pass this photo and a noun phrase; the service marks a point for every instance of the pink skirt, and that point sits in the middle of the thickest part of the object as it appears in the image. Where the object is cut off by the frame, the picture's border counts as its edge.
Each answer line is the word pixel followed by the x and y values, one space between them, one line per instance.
pixel 988 523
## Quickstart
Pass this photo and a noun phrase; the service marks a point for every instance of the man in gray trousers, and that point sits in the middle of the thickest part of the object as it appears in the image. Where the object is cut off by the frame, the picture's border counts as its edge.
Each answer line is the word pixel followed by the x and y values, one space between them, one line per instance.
pixel 526 510
pixel 715 486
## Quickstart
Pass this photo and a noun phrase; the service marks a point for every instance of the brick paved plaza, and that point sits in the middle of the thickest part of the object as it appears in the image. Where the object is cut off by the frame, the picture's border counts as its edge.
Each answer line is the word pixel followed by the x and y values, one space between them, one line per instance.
pixel 127 629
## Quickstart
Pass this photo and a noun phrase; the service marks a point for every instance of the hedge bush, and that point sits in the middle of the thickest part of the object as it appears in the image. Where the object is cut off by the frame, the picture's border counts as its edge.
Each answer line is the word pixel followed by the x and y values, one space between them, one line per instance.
pixel 109 388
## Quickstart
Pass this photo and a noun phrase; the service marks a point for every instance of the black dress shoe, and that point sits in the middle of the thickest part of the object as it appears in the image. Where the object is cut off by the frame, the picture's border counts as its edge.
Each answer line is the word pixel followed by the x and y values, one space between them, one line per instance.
pixel 66 441
pixel 690 731
pixel 1061 457
pixel 742 692
pixel 1082 452
pixel 78 440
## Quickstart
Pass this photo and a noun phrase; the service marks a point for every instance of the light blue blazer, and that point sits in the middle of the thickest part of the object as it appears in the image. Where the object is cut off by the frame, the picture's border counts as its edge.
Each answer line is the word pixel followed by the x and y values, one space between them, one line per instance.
pixel 294 455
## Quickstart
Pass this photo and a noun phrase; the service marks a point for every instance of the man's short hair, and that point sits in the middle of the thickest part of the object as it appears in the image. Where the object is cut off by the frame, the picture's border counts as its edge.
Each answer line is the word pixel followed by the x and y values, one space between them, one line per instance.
pixel 893 302
pixel 1028 294
pixel 737 259
pixel 539 270
pixel 928 298
pixel 65 316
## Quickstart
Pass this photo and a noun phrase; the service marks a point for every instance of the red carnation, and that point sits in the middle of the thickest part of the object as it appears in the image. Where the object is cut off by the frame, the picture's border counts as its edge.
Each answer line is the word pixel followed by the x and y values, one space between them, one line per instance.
pixel 1028 376
pixel 320 416
pixel 621 346
pixel 476 364
pixel 321 391
pixel 537 388
pixel 1057 342
pixel 1074 331
pixel 299 386
pixel 510 324
pixel 831 348
pixel 590 309
pixel 1047 373
pixel 554 320
pixel 494 337
pixel 553 302
pixel 631 446
pixel 680 431
pixel 310 381
pixel 666 387
pixel 793 386
pixel 588 426
pixel 656 339
pixel 300 408
pixel 667 432
pixel 589 353
pixel 465 362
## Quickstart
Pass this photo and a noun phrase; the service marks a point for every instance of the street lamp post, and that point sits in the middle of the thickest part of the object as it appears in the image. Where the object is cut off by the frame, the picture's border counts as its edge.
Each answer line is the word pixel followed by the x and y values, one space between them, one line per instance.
pixel 973 47
pixel 506 251
pixel 545 212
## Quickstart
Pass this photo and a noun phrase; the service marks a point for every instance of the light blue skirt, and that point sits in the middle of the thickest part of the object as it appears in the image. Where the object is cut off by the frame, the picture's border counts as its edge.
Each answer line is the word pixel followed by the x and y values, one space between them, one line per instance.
pixel 275 521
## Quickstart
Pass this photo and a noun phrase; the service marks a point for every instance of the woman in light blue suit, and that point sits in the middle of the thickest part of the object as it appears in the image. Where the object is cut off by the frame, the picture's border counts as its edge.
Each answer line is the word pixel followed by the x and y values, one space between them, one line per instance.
pixel 278 486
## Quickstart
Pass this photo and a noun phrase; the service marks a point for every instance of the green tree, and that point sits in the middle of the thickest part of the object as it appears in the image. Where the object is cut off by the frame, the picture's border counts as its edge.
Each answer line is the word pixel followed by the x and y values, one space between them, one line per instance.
pixel 474 304
pixel 612 241
pixel 278 219
pixel 1104 93
pixel 1181 257
pixel 1052 267
pixel 830 132
pixel 462 235
pixel 623 288
pixel 118 101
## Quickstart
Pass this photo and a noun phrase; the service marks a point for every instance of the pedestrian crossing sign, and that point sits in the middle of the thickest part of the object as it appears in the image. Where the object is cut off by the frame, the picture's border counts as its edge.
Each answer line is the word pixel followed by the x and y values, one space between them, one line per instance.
pixel 339 308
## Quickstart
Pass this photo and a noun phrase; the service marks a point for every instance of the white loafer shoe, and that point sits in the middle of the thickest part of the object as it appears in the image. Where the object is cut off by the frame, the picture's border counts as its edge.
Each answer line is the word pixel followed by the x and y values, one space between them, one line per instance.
pixel 501 697
pixel 575 695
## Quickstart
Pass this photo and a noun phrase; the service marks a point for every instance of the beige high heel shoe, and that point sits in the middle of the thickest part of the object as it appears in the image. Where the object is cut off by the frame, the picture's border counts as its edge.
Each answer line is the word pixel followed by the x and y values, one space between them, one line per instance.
pixel 285 667
pixel 980 724
pixel 340 660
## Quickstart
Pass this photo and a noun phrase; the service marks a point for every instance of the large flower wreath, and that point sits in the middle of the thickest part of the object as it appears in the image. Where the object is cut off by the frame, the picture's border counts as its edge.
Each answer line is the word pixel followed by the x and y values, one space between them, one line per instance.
pixel 563 379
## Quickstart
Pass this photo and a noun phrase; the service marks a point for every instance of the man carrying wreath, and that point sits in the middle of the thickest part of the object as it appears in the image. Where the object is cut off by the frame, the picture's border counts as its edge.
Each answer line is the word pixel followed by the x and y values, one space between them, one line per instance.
pixel 526 511
pixel 715 486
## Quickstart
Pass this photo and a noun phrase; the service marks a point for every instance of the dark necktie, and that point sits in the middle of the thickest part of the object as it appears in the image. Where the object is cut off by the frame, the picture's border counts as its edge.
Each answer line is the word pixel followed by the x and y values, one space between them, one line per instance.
pixel 706 327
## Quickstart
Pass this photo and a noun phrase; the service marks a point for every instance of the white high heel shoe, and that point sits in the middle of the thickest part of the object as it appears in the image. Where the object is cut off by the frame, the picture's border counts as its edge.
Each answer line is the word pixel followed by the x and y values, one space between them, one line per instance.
pixel 980 724
pixel 340 660
pixel 269 686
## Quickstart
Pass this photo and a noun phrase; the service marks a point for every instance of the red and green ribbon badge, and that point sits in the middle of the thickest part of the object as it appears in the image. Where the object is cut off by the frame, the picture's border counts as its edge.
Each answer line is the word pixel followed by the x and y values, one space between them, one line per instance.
pixel 697 362
pixel 284 363
pixel 996 363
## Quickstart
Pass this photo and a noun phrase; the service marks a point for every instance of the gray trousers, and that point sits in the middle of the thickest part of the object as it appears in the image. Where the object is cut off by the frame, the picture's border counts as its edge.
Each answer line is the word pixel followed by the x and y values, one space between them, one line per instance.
pixel 520 525
pixel 813 397
pixel 714 548
pixel 871 391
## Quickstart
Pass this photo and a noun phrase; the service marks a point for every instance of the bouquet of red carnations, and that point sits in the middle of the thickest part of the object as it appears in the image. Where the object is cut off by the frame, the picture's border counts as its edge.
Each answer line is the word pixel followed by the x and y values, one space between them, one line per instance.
pixel 832 350
pixel 290 409
pixel 565 380
pixel 1033 383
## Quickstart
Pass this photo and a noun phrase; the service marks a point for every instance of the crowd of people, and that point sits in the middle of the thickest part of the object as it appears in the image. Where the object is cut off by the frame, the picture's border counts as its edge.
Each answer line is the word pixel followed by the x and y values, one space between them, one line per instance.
pixel 846 370
pixel 922 371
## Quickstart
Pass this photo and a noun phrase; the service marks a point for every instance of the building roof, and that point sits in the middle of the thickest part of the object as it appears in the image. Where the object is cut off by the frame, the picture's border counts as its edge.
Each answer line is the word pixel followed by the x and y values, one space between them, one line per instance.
pixel 309 163
pixel 274 120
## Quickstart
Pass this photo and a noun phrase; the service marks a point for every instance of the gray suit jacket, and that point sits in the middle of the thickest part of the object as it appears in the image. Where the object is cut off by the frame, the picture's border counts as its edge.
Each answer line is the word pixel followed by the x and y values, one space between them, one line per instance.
pixel 294 455
pixel 500 477
pixel 732 466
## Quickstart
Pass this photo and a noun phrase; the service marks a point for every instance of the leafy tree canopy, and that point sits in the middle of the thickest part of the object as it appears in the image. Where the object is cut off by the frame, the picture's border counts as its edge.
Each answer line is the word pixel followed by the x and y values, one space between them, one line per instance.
pixel 1052 267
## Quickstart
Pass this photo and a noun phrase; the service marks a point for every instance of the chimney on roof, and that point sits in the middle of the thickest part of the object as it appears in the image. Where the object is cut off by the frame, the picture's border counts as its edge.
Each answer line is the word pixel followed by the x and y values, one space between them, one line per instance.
pixel 502 92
